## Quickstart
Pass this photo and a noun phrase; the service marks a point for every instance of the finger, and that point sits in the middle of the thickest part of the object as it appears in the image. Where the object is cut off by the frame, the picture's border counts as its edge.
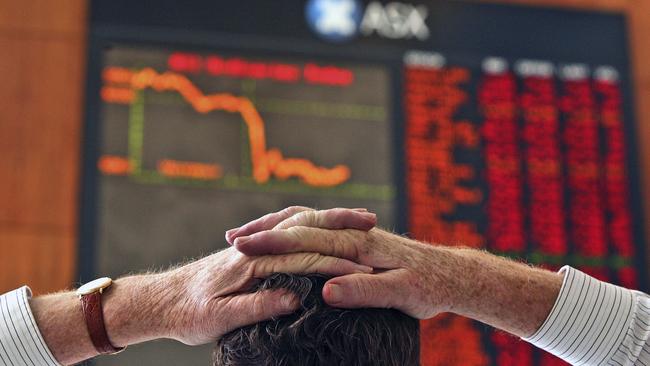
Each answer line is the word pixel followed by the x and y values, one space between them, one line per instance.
pixel 304 263
pixel 253 308
pixel 363 290
pixel 336 243
pixel 336 218
pixel 266 222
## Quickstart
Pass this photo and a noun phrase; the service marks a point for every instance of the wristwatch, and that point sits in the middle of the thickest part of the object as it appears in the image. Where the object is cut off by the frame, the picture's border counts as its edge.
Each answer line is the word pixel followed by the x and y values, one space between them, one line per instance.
pixel 91 306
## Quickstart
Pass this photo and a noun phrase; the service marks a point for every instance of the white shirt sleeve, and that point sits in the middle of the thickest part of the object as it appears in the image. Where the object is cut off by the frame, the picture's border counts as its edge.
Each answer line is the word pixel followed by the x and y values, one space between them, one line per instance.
pixel 596 323
pixel 21 342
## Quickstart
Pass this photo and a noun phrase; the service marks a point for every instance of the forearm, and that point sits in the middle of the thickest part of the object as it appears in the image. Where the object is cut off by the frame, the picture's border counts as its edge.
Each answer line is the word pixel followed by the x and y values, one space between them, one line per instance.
pixel 133 310
pixel 500 292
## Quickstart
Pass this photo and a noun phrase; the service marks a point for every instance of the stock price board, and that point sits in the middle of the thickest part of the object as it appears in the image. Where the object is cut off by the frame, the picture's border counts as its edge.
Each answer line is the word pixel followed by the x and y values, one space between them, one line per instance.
pixel 459 123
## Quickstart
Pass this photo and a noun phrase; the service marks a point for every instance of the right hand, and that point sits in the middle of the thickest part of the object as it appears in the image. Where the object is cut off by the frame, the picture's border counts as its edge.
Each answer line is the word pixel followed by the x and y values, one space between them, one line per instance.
pixel 413 277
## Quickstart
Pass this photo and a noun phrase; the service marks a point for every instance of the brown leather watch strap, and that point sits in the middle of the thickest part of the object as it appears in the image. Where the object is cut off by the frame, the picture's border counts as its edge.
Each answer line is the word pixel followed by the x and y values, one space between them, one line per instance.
pixel 91 305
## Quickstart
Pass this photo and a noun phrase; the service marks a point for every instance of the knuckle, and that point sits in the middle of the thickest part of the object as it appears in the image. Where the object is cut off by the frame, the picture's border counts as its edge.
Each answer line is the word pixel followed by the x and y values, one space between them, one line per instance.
pixel 344 217
pixel 245 263
pixel 296 232
pixel 264 219
pixel 292 210
pixel 254 266
pixel 294 220
pixel 270 215
pixel 264 266
pixel 307 262
pixel 308 218
pixel 332 217
pixel 258 306
pixel 301 218
pixel 365 244
pixel 311 260
pixel 338 263
pixel 234 255
pixel 351 243
pixel 340 212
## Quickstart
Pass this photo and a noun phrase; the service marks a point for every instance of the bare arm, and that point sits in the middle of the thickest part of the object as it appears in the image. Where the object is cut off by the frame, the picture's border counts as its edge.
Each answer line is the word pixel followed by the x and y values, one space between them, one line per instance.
pixel 194 304
pixel 571 315
pixel 503 293
pixel 133 312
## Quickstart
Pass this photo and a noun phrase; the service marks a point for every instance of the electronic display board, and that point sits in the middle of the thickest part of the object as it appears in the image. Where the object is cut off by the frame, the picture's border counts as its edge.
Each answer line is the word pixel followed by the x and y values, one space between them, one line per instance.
pixel 489 126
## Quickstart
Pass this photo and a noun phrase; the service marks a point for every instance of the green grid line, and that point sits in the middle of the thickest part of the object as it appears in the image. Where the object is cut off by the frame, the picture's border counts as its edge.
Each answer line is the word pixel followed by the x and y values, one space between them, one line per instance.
pixel 234 182
pixel 362 112
pixel 247 184
pixel 136 132
pixel 326 110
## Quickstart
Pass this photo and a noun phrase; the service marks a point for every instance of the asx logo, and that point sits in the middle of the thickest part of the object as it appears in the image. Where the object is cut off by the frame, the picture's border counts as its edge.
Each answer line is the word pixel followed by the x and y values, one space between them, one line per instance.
pixel 342 20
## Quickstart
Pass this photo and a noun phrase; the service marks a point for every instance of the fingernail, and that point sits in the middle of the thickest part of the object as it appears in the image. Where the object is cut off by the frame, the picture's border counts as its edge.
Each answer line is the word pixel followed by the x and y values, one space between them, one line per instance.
pixel 360 209
pixel 333 293
pixel 242 240
pixel 369 216
pixel 230 233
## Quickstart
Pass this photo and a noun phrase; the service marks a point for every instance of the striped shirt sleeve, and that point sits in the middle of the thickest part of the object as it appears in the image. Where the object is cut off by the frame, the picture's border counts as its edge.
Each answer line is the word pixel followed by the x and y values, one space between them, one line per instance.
pixel 21 342
pixel 596 323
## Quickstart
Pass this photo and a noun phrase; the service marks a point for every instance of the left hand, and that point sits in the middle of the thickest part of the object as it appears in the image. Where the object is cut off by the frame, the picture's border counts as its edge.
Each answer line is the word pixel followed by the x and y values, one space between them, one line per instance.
pixel 195 303
pixel 212 298
pixel 209 297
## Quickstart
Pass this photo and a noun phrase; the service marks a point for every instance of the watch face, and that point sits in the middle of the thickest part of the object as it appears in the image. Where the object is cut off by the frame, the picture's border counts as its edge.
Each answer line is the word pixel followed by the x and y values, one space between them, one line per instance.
pixel 94 286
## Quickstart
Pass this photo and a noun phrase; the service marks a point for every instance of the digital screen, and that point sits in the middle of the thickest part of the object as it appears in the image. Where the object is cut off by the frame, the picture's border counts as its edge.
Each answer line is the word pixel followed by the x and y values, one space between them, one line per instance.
pixel 526 159
pixel 192 151
pixel 458 123
pixel 196 143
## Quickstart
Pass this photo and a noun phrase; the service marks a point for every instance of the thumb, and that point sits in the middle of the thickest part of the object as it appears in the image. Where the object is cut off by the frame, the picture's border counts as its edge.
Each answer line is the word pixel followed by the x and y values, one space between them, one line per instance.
pixel 253 308
pixel 359 291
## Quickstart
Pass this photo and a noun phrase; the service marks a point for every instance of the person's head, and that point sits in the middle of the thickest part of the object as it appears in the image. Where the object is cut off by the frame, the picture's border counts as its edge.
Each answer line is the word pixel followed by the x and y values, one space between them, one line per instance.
pixel 320 335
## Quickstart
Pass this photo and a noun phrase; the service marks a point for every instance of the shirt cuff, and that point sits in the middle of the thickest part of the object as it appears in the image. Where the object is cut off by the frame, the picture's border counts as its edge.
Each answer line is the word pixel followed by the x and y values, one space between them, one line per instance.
pixel 21 343
pixel 588 321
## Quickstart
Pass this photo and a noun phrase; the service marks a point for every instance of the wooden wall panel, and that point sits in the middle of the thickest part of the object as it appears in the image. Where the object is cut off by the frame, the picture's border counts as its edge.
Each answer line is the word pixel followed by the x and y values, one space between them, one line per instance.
pixel 639 25
pixel 43 260
pixel 42 79
pixel 41 91
pixel 52 18
pixel 600 5
pixel 639 17
pixel 41 104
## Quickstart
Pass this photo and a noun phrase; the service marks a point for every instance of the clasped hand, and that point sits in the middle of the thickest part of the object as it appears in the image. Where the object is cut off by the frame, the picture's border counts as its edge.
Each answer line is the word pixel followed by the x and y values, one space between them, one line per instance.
pixel 402 273
pixel 370 268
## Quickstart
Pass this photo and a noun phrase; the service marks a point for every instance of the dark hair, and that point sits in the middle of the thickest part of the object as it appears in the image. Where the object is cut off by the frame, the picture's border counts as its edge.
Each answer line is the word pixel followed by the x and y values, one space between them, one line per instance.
pixel 320 335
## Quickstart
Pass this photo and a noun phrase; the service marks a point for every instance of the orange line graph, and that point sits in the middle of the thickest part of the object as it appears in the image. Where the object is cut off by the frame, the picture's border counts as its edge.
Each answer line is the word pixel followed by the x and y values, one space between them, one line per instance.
pixel 114 165
pixel 188 169
pixel 265 162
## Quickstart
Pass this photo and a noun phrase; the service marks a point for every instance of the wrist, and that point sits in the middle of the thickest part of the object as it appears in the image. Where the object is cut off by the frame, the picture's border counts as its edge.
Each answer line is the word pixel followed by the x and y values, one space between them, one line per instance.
pixel 136 309
pixel 500 292
pixel 461 279
pixel 435 278
pixel 449 269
